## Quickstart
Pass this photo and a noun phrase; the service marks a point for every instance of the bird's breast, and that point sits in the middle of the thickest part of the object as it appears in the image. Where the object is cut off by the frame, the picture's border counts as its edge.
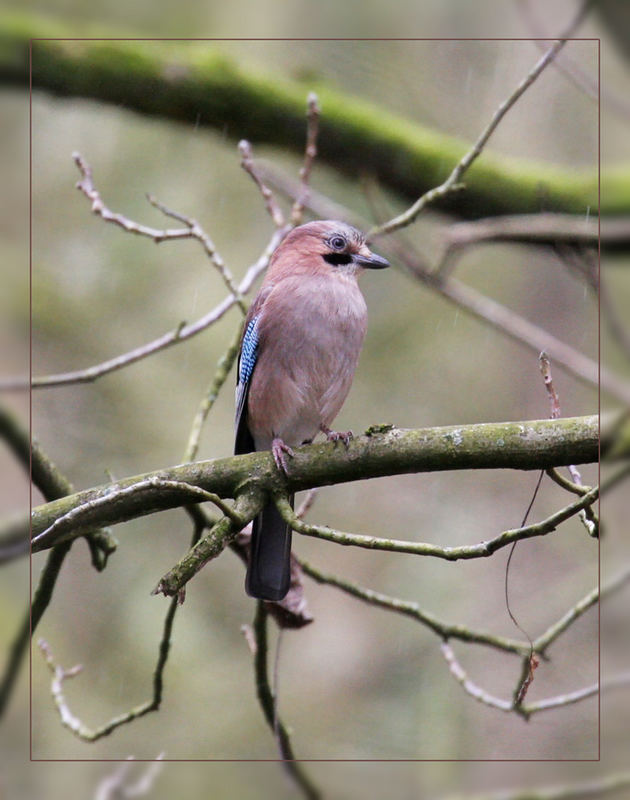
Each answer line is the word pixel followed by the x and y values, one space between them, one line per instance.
pixel 311 333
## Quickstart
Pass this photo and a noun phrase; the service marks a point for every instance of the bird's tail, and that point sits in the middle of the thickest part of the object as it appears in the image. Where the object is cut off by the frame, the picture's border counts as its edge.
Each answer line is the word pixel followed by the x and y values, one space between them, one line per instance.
pixel 269 569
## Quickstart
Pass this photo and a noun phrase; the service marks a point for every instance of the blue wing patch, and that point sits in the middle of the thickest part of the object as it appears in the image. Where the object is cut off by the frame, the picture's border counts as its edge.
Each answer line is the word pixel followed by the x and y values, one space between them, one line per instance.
pixel 247 361
pixel 249 352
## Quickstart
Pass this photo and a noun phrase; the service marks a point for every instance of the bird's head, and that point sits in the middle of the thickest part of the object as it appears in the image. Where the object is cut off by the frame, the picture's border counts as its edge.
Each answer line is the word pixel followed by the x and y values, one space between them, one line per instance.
pixel 325 246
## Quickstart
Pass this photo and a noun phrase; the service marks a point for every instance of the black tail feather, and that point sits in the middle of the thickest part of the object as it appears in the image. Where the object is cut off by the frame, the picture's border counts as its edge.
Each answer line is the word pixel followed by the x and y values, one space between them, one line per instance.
pixel 269 569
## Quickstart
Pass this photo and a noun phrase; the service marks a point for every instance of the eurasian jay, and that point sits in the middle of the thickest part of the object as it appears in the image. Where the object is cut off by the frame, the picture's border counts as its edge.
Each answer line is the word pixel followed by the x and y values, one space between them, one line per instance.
pixel 299 350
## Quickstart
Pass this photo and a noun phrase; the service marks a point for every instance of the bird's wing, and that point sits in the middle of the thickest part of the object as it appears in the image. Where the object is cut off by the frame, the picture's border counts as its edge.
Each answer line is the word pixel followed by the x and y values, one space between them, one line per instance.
pixel 244 442
pixel 247 357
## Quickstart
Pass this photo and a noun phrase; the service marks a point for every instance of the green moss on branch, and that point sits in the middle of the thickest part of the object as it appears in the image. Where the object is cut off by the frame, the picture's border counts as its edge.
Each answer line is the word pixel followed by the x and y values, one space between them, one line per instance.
pixel 537 444
pixel 196 84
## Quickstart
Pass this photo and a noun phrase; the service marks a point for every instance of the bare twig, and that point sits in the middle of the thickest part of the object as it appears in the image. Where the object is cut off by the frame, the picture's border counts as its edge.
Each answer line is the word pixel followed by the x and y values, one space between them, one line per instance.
pixel 554 400
pixel 197 232
pixel 574 488
pixel 413 610
pixel 73 723
pixel 247 162
pixel 180 334
pixel 542 643
pixel 587 515
pixel 471 688
pixel 193 229
pixel 307 503
pixel 309 157
pixel 481 550
pixel 572 70
pixel 453 182
pixel 561 700
pixel 530 665
pixel 53 484
pixel 521 330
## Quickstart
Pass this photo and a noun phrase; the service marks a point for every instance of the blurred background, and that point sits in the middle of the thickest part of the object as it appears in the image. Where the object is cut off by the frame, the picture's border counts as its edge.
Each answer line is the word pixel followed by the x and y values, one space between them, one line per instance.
pixel 358 683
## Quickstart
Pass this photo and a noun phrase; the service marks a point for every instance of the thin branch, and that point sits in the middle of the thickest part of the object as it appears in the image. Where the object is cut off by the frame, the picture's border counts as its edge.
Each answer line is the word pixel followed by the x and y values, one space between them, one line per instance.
pixel 469 687
pixel 193 229
pixel 453 182
pixel 551 634
pixel 481 550
pixel 180 489
pixel 247 162
pixel 268 705
pixel 73 723
pixel 542 643
pixel 561 700
pixel 413 610
pixel 307 503
pixel 53 484
pixel 522 330
pixel 176 336
pixel 573 71
pixel 197 232
pixel 560 479
pixel 587 515
pixel 309 157
pixel 554 400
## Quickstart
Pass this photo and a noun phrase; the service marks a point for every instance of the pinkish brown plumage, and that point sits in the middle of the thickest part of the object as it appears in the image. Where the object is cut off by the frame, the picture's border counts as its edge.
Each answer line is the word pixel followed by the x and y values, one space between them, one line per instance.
pixel 302 339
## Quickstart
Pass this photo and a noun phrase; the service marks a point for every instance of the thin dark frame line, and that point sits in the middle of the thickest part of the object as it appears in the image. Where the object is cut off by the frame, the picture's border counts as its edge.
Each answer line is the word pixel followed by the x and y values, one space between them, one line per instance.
pixel 302 39
pixel 599 382
pixel 316 760
pixel 30 392
pixel 309 39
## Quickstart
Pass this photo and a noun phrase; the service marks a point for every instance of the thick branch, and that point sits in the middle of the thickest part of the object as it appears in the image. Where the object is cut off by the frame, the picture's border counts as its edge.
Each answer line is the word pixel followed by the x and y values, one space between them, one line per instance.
pixel 205 87
pixel 384 450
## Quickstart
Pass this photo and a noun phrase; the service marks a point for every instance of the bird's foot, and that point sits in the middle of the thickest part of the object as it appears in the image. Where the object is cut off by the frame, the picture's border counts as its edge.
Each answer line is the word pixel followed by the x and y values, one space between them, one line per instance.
pixel 337 436
pixel 278 450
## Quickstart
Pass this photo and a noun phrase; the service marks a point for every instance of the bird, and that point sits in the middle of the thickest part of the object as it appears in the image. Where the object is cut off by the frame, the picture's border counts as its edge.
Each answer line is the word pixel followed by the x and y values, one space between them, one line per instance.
pixel 298 353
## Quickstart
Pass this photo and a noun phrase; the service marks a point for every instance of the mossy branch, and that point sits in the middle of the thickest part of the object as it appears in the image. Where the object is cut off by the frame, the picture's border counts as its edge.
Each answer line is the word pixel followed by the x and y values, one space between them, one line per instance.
pixel 196 84
pixel 383 450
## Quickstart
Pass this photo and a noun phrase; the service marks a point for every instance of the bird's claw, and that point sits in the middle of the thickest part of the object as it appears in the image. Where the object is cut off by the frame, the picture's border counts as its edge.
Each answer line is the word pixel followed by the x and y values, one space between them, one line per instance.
pixel 338 436
pixel 278 450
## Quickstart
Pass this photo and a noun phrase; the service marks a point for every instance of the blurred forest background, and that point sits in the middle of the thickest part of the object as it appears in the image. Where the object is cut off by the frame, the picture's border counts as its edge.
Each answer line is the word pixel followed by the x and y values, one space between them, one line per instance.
pixel 358 683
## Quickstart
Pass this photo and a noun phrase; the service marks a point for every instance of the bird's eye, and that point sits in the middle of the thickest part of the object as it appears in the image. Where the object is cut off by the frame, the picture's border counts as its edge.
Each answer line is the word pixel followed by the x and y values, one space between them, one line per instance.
pixel 338 242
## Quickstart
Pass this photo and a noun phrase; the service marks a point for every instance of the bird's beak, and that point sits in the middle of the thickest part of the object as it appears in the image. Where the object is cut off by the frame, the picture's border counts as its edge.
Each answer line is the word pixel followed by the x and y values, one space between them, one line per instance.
pixel 370 260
